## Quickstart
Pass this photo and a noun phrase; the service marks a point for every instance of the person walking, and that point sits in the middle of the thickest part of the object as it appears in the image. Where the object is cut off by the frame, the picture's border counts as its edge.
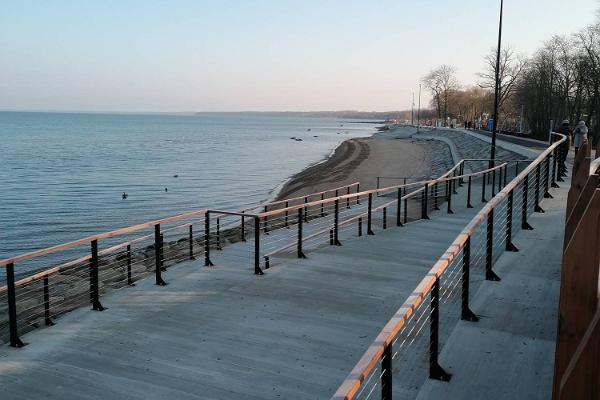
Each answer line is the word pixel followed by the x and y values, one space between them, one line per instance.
pixel 580 135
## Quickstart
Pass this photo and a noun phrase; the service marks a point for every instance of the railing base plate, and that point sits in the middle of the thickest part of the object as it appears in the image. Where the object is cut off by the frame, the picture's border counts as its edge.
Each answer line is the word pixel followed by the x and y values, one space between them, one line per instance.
pixel 17 343
pixel 511 247
pixel 96 306
pixel 491 276
pixel 438 373
pixel 468 315
pixel 525 226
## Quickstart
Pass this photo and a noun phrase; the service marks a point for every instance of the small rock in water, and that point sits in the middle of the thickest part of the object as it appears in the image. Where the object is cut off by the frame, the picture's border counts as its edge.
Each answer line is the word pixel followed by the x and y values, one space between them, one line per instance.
pixel 175 176
pixel 166 190
pixel 124 196
pixel 315 136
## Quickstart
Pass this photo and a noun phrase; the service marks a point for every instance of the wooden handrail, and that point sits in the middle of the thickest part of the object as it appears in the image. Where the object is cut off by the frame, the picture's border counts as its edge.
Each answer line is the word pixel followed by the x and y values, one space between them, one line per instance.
pixel 122 231
pixel 372 356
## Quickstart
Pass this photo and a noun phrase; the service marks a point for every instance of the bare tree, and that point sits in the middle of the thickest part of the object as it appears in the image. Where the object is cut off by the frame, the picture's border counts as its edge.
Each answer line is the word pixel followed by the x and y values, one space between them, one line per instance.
pixel 511 67
pixel 441 82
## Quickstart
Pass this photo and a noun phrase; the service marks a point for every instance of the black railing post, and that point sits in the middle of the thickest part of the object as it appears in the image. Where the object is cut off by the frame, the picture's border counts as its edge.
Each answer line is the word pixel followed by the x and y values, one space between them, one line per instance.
pixel 266 222
pixel 359 226
pixel 207 260
pixel 257 270
pixel 509 220
pixel 336 219
pixel 490 275
pixel 386 373
pixel 399 208
pixel 524 224
pixel 94 279
pixel 537 207
pixel 348 198
pixel 449 200
pixel 466 314
pixel 158 256
pixel 453 182
pixel 469 205
pixel 244 224
pixel 322 205
pixel 435 196
pixel 219 234
pixel 161 248
pixel 505 175
pixel 47 319
pixel 435 370
pixel 384 223
pixel 287 225
pixel 483 200
pixel 331 237
pixel 461 172
pixel 559 171
pixel 405 208
pixel 358 191
pixel 129 277
pixel 369 229
pixel 300 218
pixel 191 242
pixel 547 194
pixel 12 307
pixel 493 182
pixel 424 201
pixel 516 169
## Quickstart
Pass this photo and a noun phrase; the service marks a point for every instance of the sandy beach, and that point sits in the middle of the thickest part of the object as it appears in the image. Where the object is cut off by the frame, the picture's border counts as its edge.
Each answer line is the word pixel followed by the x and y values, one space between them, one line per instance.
pixel 363 160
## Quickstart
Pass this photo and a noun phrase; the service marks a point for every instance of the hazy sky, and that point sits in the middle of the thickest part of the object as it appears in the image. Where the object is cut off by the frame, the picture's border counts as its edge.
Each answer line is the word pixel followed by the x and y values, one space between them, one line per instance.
pixel 254 55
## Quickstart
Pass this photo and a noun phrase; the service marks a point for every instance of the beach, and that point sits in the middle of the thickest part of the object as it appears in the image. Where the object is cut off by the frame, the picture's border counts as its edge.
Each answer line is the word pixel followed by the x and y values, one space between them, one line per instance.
pixel 385 154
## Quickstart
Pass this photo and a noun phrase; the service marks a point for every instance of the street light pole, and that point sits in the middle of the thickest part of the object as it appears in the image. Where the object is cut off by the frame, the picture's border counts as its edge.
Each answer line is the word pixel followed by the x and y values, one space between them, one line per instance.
pixel 419 110
pixel 412 110
pixel 497 90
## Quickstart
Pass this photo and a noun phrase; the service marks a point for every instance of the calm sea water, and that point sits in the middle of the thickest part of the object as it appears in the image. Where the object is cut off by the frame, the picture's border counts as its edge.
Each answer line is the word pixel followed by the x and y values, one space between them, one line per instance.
pixel 62 175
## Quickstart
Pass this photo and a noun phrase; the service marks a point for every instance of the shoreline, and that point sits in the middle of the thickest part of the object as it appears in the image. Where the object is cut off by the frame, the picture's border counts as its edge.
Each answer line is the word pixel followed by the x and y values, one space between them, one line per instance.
pixel 364 159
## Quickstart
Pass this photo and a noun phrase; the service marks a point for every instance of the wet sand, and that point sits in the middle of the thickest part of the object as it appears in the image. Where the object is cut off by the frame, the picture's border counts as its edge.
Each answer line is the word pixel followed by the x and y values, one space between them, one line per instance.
pixel 364 159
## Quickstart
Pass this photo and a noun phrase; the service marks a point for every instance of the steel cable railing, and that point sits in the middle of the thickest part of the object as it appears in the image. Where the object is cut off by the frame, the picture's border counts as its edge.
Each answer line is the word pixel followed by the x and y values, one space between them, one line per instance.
pixel 467 262
pixel 167 242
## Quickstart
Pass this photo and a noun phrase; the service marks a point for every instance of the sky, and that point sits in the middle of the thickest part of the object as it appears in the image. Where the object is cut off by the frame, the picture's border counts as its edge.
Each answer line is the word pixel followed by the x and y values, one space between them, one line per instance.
pixel 255 55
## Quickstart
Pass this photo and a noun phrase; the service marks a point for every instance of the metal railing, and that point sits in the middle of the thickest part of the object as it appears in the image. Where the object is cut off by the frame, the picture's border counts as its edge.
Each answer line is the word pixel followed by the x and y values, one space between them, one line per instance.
pixel 319 219
pixel 407 348
pixel 37 299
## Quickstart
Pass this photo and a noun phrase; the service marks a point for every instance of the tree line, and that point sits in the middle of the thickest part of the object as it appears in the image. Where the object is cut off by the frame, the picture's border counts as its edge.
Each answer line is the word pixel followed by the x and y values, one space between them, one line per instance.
pixel 561 80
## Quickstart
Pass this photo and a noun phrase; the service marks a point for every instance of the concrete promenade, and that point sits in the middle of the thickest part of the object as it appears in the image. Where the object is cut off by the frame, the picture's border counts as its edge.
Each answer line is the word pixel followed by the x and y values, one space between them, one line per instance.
pixel 224 333
pixel 509 353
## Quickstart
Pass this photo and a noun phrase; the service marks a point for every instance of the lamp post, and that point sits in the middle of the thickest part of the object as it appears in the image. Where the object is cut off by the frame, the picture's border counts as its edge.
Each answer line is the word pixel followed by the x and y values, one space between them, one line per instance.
pixel 496 91
pixel 412 110
pixel 419 110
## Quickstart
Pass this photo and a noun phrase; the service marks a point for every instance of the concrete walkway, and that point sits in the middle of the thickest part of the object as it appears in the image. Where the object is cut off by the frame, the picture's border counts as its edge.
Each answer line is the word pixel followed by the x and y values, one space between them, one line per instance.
pixel 224 333
pixel 509 353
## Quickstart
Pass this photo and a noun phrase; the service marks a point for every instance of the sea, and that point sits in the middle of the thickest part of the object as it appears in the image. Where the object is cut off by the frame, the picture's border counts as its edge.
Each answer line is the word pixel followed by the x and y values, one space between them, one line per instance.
pixel 63 175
